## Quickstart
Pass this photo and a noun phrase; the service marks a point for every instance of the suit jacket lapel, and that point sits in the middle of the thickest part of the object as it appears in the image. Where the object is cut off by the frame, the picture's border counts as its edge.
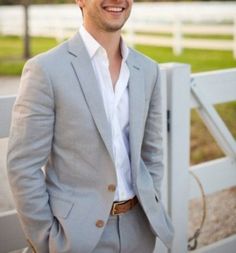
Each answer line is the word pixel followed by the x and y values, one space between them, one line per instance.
pixel 83 68
pixel 136 107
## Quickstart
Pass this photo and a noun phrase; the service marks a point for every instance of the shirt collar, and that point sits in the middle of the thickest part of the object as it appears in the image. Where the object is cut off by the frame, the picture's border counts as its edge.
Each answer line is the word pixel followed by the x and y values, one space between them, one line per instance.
pixel 92 45
pixel 124 50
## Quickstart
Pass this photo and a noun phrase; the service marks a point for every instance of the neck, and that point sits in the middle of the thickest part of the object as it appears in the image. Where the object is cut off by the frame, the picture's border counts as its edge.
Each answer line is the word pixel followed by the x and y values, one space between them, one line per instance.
pixel 110 41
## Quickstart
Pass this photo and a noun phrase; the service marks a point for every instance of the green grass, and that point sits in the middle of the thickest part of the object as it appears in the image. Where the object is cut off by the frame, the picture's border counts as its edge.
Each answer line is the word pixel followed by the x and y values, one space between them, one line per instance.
pixel 203 146
pixel 200 60
pixel 207 36
pixel 11 50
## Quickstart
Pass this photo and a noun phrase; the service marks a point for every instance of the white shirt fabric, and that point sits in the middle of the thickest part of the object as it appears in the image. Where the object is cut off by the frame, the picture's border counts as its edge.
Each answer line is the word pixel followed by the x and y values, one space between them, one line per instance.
pixel 116 104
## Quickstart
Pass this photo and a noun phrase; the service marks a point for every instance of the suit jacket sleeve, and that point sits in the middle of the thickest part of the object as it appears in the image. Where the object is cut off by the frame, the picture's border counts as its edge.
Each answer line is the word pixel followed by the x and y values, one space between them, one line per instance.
pixel 28 151
pixel 152 146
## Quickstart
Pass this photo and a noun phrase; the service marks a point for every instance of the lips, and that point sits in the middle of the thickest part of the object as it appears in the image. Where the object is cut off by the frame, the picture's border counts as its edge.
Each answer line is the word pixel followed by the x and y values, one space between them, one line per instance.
pixel 114 9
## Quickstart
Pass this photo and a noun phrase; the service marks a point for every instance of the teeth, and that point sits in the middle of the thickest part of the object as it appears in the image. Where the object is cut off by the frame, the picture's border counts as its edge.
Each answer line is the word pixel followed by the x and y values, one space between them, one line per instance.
pixel 114 9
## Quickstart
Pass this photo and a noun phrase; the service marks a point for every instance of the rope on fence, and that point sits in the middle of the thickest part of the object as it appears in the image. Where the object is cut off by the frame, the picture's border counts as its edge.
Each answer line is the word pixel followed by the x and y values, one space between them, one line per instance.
pixel 193 240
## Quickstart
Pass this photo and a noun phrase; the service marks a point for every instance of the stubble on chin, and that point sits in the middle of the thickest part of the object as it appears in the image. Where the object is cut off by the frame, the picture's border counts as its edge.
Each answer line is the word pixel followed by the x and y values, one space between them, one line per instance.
pixel 113 27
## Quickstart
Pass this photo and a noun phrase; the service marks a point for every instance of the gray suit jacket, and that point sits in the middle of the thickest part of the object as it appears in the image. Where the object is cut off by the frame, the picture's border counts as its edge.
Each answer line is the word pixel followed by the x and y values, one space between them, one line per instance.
pixel 59 123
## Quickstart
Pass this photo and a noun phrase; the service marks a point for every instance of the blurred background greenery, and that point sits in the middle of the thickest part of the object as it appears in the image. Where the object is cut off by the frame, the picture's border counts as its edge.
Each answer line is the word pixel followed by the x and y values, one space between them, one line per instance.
pixel 11 51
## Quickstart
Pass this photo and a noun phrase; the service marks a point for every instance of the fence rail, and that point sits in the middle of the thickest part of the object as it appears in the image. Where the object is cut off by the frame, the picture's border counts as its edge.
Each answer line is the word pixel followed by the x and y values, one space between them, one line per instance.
pixel 177 35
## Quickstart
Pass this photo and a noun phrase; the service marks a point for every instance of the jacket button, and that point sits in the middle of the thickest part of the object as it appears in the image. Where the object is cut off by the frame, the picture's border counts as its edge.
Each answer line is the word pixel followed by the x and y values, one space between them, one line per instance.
pixel 111 187
pixel 99 223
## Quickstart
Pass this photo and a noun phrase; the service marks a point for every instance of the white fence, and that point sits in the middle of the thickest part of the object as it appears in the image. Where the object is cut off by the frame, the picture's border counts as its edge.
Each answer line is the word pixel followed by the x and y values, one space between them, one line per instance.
pixel 200 91
pixel 182 91
pixel 161 24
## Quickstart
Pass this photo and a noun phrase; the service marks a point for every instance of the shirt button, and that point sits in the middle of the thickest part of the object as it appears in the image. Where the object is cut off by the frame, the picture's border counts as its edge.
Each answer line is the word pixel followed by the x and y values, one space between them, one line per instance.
pixel 111 187
pixel 99 223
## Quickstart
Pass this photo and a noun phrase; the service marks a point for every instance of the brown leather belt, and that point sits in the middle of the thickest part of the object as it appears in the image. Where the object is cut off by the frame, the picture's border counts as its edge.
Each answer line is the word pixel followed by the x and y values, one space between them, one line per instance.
pixel 119 207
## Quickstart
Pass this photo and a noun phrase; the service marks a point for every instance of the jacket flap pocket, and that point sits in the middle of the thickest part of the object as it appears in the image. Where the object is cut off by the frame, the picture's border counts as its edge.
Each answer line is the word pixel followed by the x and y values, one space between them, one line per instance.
pixel 60 207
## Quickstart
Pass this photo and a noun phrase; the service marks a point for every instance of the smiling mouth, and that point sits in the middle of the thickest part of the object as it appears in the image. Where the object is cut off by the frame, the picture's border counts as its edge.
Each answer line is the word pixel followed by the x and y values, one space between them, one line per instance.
pixel 114 9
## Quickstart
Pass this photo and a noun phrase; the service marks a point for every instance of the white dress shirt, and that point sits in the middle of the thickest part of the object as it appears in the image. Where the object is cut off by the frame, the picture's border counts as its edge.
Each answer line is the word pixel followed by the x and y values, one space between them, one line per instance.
pixel 116 104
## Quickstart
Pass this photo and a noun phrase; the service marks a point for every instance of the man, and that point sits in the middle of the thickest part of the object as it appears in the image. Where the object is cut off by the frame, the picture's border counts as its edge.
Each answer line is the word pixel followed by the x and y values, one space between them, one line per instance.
pixel 89 113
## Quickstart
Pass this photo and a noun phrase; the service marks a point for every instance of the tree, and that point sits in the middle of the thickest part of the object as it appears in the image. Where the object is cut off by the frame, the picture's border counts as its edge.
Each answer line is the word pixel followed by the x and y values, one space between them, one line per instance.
pixel 26 53
pixel 26 37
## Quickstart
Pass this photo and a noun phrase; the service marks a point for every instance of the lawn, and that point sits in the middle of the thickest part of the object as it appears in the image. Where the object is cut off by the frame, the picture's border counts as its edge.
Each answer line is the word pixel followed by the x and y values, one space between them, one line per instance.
pixel 11 51
pixel 11 62
pixel 203 147
pixel 200 60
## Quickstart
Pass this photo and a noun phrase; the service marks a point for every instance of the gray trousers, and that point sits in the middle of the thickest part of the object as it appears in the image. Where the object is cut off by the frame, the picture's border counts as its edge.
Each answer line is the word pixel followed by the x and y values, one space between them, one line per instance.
pixel 127 233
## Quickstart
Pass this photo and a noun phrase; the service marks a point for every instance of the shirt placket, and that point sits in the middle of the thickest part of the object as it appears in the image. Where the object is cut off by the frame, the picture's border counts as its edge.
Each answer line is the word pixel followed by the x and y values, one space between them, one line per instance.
pixel 112 99
pixel 120 148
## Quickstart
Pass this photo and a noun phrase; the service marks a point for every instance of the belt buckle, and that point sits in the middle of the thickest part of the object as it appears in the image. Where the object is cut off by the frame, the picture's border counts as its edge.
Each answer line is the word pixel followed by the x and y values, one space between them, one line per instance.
pixel 113 210
pixel 114 205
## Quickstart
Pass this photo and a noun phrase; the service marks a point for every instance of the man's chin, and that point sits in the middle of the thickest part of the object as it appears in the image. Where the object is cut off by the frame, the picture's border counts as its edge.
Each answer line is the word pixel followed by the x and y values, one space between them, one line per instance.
pixel 113 27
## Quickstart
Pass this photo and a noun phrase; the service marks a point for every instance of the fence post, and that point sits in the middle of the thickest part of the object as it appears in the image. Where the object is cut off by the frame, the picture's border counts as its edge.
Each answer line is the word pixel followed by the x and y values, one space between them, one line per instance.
pixel 178 105
pixel 177 37
pixel 130 32
pixel 234 39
